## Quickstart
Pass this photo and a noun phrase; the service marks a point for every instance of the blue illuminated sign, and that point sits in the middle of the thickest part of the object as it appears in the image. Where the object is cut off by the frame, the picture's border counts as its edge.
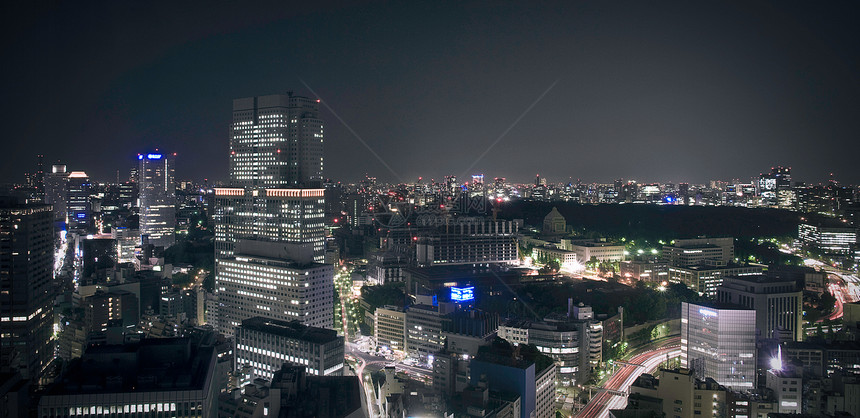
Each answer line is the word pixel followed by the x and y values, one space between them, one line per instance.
pixel 139 156
pixel 153 156
pixel 81 215
pixel 463 294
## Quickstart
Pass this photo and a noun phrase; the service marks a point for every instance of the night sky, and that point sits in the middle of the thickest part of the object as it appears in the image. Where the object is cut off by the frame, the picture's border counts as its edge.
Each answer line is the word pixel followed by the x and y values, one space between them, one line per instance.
pixel 651 91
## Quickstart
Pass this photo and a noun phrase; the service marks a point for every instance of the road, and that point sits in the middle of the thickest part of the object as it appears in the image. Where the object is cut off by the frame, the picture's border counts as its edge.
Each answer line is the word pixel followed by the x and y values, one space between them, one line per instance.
pixel 623 378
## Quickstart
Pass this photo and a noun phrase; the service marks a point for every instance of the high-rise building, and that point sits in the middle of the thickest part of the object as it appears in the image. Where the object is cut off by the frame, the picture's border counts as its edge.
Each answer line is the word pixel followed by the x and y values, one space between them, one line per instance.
pixel 57 189
pixel 78 209
pixel 778 303
pixel 718 341
pixel 26 300
pixel 276 141
pixel 157 198
pixel 276 200
pixel 276 281
pixel 294 216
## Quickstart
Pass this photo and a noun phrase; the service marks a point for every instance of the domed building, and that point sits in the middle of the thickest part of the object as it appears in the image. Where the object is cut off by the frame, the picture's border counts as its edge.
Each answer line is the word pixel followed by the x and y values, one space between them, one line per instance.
pixel 554 223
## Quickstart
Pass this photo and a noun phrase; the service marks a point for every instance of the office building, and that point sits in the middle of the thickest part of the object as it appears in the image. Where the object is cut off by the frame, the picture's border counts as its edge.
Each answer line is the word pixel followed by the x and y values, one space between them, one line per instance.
pixel 26 299
pixel 719 341
pixel 78 210
pixel 778 303
pixel 424 331
pixel 276 141
pixel 523 371
pixel 775 188
pixel 275 199
pixel 276 281
pixel 706 278
pixel 468 241
pixel 276 215
pixel 389 328
pixel 575 345
pixel 587 249
pixel 827 237
pixel 157 185
pixel 696 251
pixel 57 189
pixel 679 393
pixel 266 344
pixel 153 377
pixel 293 393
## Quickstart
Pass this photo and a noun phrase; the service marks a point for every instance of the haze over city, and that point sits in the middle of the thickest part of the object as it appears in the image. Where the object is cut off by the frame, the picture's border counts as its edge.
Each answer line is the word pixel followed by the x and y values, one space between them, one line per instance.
pixel 670 91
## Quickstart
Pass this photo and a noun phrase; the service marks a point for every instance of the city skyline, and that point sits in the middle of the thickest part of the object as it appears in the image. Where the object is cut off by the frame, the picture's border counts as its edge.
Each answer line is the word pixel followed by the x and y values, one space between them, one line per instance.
pixel 668 92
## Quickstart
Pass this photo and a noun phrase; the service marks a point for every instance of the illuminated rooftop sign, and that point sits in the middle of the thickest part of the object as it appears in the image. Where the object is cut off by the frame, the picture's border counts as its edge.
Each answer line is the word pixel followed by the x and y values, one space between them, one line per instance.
pixel 153 156
pixel 463 294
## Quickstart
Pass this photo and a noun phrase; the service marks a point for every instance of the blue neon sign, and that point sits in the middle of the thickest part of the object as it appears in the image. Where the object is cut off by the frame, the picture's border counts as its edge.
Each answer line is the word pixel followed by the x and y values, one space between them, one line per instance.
pixel 463 294
pixel 81 215
pixel 153 156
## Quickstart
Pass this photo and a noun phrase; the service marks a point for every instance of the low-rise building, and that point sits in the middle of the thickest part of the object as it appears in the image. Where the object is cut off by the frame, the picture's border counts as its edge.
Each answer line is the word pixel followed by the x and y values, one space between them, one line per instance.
pixel 266 344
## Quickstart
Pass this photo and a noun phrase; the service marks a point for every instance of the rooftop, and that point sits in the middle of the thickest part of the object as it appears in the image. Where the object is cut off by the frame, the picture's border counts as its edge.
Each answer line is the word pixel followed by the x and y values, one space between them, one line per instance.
pixel 290 329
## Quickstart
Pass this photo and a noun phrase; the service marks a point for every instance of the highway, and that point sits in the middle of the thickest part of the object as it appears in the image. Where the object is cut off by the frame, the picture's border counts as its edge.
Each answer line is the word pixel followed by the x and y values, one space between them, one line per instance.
pixel 615 389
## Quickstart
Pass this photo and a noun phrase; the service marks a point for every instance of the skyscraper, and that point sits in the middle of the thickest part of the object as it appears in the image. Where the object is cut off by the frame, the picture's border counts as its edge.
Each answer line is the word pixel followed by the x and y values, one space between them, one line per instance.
pixel 26 300
pixel 57 190
pixel 157 198
pixel 718 341
pixel 276 141
pixel 79 213
pixel 276 200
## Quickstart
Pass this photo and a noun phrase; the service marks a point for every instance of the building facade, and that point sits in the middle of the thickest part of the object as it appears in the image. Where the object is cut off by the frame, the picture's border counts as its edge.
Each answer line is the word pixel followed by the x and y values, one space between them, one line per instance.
pixel 718 341
pixel 276 141
pixel 157 197
pixel 26 300
pixel 778 303
pixel 274 285
pixel 266 344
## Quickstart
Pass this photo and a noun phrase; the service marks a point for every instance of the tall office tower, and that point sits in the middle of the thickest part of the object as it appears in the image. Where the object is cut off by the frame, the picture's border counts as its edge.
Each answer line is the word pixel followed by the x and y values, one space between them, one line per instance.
pixel 778 304
pixel 26 300
pixel 79 214
pixel 276 198
pixel 274 280
pixel 718 341
pixel 40 176
pixel 276 141
pixel 775 188
pixel 294 216
pixel 157 198
pixel 57 189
